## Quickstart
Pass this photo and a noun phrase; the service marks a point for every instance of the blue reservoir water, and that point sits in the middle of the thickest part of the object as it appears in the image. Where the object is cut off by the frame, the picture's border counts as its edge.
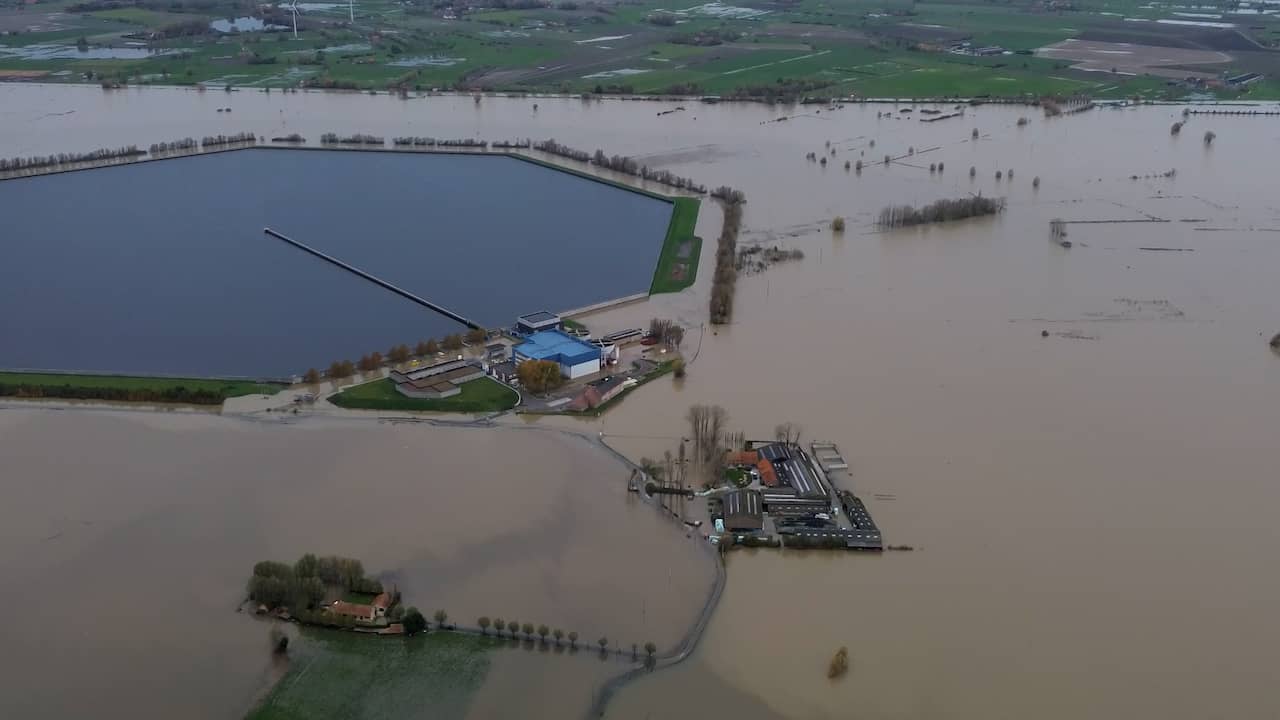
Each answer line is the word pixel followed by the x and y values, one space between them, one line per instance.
pixel 163 268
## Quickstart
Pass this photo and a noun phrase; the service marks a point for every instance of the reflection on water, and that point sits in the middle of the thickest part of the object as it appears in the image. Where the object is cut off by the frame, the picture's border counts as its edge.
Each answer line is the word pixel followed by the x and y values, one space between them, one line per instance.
pixel 243 24
pixel 1093 507
pixel 71 52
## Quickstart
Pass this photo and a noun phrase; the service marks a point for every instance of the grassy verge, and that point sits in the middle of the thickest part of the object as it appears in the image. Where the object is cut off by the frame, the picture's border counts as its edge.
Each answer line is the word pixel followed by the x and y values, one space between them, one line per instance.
pixel 684 217
pixel 119 388
pixel 482 395
pixel 572 324
pixel 346 675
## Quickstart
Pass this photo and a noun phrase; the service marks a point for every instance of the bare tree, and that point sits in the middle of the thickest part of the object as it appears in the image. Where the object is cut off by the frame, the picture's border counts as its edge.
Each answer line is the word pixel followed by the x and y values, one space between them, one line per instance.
pixel 788 433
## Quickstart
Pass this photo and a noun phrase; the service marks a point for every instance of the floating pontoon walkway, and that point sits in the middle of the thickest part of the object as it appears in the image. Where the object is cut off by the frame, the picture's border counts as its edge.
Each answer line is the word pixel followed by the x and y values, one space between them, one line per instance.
pixel 373 279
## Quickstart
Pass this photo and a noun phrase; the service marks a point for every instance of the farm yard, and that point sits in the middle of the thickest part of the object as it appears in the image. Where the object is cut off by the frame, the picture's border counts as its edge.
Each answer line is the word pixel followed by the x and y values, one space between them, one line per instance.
pixel 784 50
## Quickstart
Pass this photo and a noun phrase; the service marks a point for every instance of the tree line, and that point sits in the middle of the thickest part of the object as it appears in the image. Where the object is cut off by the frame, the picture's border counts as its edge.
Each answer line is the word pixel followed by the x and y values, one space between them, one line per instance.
pixel 397 354
pixel 513 627
pixel 725 279
pixel 42 161
pixel 356 139
pixel 620 163
pixel 415 141
pixel 939 211
pixel 220 140
pixel 186 144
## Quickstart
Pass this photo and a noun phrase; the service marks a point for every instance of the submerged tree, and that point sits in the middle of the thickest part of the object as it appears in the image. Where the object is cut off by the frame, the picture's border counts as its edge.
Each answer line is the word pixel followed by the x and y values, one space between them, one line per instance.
pixel 940 211
pixel 483 622
pixel 837 224
pixel 1209 136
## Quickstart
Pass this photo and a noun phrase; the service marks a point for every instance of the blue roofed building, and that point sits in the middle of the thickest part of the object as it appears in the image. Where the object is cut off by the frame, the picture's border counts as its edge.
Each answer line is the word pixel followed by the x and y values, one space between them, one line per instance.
pixel 575 357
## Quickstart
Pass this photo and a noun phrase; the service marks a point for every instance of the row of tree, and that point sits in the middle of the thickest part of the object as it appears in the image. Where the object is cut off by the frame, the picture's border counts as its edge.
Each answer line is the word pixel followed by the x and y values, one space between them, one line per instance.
pixel 729 195
pixel 220 140
pixel 940 211
pixel 41 161
pixel 356 139
pixel 620 163
pixel 397 354
pixel 513 627
pixel 725 279
pixel 416 141
pixel 186 144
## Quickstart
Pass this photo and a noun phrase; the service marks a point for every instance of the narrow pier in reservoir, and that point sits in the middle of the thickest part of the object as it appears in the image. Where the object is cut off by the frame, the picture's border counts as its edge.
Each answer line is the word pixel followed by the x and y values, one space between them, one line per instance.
pixel 373 279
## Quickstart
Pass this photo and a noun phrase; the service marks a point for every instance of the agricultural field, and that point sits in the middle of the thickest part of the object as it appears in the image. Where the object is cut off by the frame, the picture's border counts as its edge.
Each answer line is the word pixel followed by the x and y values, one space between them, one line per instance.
pixel 777 50
pixel 343 674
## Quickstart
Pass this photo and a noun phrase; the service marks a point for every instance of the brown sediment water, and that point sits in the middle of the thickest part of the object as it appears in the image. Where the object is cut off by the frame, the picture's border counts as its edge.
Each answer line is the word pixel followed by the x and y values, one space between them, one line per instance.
pixel 138 530
pixel 1092 510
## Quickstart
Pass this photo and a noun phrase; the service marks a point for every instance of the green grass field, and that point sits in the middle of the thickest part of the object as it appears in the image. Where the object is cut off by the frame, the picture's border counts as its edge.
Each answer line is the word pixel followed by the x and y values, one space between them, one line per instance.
pixel 228 388
pixel 478 396
pixel 334 674
pixel 684 218
pixel 830 49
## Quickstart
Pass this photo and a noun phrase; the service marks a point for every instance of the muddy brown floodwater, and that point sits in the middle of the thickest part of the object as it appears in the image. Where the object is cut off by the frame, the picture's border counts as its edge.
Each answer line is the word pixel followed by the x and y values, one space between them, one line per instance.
pixel 139 536
pixel 1093 509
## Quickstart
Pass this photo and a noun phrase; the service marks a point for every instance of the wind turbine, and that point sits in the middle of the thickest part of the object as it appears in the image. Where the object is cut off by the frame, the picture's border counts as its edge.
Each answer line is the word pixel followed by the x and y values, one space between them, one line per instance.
pixel 293 8
pixel 351 7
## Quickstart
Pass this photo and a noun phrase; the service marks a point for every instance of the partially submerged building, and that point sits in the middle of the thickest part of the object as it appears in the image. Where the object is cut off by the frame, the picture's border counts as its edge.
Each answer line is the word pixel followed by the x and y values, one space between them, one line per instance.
pixel 575 357
pixel 743 511
pixel 438 381
pixel 600 392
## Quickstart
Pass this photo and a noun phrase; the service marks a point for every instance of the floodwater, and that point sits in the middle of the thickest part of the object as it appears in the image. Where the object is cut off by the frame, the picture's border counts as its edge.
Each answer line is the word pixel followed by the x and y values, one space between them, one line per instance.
pixel 1092 510
pixel 141 534
pixel 243 24
pixel 71 52
pixel 171 256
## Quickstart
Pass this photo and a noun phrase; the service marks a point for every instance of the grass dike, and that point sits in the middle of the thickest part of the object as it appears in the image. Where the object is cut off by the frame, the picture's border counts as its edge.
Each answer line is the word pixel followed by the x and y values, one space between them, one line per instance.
pixel 678 263
pixel 127 388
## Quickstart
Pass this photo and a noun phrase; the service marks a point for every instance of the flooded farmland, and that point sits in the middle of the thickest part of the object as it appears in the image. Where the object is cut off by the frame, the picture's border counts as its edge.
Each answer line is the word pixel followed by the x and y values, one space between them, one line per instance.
pixel 141 537
pixel 1091 507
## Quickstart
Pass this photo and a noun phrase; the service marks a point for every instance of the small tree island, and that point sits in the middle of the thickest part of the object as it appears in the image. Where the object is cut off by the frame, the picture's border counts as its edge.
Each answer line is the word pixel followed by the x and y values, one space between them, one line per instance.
pixel 329 590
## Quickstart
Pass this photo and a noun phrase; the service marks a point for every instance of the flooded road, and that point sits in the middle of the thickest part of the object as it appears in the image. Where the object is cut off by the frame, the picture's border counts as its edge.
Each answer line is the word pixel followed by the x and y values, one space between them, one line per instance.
pixel 1092 508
